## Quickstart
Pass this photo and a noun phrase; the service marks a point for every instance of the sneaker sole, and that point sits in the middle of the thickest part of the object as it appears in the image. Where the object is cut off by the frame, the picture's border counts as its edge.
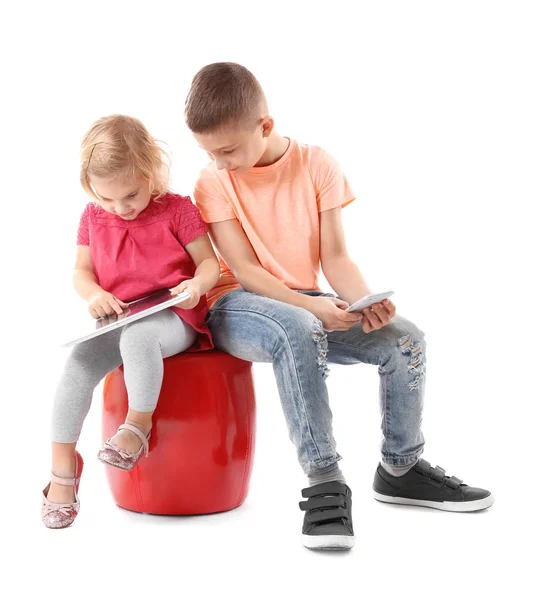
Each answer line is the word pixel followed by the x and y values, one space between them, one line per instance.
pixel 328 542
pixel 470 506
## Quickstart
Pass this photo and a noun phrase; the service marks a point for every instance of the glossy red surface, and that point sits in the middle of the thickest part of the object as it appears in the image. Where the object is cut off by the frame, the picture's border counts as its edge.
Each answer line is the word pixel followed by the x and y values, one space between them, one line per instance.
pixel 203 437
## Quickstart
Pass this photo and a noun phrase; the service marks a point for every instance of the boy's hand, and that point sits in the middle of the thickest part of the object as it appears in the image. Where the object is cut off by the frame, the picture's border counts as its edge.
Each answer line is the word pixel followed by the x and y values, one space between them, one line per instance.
pixel 193 288
pixel 378 315
pixel 104 304
pixel 332 313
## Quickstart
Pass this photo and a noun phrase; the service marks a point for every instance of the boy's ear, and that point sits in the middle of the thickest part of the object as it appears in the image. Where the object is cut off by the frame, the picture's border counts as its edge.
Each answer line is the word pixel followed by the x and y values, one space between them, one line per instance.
pixel 267 126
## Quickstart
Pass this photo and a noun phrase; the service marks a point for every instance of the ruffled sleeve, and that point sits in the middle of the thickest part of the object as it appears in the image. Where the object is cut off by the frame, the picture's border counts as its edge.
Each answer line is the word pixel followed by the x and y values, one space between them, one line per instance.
pixel 188 223
pixel 83 229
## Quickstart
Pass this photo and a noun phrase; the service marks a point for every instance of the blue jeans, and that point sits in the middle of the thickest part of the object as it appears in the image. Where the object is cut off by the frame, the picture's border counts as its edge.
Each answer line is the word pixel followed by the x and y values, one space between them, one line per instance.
pixel 260 329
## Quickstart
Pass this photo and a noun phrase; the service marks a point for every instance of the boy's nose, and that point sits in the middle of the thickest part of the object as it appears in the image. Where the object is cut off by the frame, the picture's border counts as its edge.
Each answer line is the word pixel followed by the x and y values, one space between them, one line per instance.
pixel 220 164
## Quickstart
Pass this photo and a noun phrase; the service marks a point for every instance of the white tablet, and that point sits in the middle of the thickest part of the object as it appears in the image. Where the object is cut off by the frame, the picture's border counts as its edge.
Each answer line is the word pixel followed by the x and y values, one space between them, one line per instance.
pixel 135 311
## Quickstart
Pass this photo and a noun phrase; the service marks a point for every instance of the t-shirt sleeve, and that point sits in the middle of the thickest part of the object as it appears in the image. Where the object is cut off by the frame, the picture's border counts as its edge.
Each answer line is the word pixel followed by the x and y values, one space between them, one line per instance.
pixel 332 187
pixel 188 223
pixel 83 229
pixel 211 201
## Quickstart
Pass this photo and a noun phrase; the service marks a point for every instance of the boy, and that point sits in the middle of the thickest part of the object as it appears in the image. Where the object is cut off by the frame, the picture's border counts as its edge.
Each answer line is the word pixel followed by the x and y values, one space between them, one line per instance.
pixel 273 207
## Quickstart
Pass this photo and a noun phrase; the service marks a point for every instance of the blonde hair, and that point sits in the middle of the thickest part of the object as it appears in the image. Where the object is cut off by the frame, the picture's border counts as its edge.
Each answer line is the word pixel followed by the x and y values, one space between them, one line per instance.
pixel 120 146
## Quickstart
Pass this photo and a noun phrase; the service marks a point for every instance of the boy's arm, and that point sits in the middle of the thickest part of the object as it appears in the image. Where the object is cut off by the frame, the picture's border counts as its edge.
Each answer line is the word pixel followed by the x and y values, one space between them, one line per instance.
pixel 239 255
pixel 342 273
pixel 338 268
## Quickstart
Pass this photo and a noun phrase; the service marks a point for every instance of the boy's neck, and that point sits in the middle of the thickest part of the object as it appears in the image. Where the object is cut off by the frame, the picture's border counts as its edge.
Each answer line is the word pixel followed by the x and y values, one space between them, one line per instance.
pixel 275 149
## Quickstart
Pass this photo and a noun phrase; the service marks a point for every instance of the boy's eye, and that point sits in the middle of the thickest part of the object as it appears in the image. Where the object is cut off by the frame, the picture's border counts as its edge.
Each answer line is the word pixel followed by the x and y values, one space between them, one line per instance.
pixel 228 151
pixel 132 195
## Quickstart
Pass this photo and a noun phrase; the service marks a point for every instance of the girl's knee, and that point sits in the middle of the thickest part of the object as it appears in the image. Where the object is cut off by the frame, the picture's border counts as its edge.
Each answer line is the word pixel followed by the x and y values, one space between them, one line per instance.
pixel 140 334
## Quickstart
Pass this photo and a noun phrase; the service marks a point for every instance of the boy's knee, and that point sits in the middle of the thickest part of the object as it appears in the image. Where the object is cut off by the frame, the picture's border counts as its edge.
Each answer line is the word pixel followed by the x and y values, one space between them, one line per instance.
pixel 305 334
pixel 409 344
pixel 404 328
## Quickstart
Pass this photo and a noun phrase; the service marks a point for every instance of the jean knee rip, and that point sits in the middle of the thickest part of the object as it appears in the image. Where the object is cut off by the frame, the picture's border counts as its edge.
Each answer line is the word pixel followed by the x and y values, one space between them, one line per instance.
pixel 321 340
pixel 416 365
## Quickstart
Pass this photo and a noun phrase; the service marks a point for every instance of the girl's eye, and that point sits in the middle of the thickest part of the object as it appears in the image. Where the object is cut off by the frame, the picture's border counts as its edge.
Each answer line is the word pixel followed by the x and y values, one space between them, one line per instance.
pixel 229 151
pixel 132 195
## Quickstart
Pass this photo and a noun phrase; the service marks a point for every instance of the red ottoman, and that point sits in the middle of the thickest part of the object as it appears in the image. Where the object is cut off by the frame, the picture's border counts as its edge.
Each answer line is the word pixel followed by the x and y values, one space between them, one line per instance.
pixel 203 437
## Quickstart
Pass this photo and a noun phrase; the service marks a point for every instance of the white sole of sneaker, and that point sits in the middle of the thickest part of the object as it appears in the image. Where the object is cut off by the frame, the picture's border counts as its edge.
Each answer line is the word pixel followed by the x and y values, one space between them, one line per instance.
pixel 328 542
pixel 471 506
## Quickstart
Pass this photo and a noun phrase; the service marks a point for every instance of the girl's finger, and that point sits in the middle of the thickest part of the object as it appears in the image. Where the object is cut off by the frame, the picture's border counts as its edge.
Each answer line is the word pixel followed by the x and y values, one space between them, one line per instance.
pixel 116 306
pixel 100 312
pixel 109 310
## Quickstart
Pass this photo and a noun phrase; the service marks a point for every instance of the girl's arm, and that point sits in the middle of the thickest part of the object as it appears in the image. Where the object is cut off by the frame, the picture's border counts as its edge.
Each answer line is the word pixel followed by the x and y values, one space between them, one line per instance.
pixel 85 282
pixel 101 303
pixel 206 274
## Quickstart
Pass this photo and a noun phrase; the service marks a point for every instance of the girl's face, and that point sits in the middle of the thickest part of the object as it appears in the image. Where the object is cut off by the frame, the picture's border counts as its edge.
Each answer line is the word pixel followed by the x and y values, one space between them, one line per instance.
pixel 126 198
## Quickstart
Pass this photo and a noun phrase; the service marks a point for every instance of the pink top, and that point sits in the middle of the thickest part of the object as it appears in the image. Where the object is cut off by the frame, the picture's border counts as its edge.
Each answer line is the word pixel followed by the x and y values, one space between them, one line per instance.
pixel 132 259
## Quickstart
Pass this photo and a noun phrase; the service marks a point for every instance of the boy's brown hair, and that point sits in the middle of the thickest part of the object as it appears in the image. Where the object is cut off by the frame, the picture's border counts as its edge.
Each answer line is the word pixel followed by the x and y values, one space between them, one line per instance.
pixel 223 94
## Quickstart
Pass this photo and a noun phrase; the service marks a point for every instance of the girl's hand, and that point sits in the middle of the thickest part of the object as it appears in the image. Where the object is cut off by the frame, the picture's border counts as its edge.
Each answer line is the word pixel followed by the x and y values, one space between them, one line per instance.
pixel 378 315
pixel 193 288
pixel 103 304
pixel 332 313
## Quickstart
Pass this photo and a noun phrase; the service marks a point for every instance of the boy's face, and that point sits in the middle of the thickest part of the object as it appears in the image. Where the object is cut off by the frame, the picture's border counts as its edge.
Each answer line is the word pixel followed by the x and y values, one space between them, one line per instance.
pixel 235 149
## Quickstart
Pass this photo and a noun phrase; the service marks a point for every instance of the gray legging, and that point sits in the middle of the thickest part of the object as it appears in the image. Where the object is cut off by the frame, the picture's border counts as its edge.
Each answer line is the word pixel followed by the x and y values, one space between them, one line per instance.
pixel 141 346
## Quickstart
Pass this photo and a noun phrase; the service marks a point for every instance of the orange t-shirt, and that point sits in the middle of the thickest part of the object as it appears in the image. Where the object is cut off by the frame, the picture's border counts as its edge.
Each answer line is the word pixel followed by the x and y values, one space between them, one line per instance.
pixel 278 208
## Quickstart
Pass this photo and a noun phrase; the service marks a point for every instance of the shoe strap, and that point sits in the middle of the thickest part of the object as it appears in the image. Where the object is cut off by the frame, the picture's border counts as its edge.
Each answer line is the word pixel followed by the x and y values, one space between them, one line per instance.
pixel 330 487
pixel 144 439
pixel 334 514
pixel 323 502
pixel 437 474
pixel 72 481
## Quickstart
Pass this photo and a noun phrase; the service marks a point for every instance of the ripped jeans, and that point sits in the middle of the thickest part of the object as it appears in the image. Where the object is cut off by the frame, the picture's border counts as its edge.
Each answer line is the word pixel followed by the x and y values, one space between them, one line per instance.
pixel 259 329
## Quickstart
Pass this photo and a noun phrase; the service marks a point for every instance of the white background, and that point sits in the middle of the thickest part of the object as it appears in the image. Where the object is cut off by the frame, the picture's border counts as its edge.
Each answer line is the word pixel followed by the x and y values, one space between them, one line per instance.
pixel 427 106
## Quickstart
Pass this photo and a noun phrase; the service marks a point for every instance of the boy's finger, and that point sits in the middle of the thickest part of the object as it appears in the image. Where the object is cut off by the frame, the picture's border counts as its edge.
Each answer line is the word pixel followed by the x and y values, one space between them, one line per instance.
pixel 338 302
pixel 381 313
pixel 389 307
pixel 354 317
pixel 372 318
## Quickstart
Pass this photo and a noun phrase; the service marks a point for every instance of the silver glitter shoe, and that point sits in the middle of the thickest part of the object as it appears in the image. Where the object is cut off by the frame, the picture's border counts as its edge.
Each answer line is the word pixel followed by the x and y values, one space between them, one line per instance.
pixel 118 457
pixel 59 516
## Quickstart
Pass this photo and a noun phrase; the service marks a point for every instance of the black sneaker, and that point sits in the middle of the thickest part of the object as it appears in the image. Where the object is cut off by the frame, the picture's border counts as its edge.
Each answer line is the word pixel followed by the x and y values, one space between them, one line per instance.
pixel 328 516
pixel 424 485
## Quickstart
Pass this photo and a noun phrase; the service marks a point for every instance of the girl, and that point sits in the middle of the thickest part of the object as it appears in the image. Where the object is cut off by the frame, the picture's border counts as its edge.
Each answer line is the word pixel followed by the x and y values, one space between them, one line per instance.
pixel 135 238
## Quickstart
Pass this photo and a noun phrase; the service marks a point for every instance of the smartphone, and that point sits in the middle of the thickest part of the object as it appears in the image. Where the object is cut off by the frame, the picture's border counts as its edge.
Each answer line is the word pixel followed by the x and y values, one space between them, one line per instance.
pixel 367 301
